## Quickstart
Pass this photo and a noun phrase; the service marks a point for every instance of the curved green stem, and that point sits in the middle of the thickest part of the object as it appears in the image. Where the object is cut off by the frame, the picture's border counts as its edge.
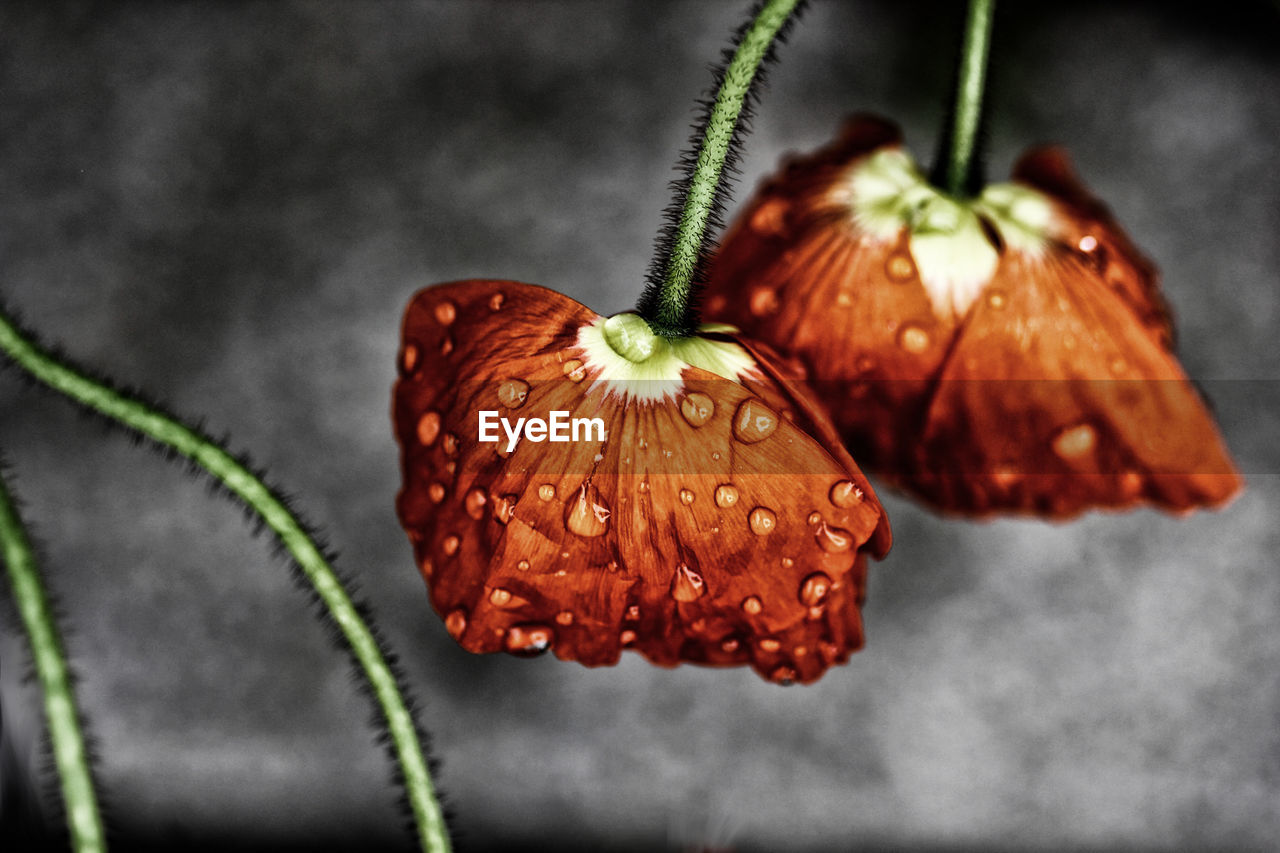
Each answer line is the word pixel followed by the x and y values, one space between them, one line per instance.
pixel 671 315
pixel 967 115
pixel 206 453
pixel 84 823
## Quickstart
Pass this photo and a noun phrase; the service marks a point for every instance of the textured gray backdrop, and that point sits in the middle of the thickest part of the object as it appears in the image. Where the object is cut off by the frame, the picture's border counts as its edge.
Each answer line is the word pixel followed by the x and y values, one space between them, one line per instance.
pixel 228 205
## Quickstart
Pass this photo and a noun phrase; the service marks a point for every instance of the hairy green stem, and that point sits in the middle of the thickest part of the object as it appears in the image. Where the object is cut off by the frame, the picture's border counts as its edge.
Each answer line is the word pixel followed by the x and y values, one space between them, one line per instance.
pixel 84 823
pixel 206 453
pixel 967 115
pixel 671 317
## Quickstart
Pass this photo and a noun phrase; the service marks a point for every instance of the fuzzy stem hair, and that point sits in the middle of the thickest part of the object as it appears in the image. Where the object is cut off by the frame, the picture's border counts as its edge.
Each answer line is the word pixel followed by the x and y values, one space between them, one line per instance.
pixel 169 432
pixel 685 245
pixel 70 755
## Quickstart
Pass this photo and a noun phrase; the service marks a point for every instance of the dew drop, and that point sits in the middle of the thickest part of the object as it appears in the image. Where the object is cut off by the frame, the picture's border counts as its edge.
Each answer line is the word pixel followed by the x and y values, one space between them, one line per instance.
pixel 754 421
pixel 783 676
pixel 504 508
pixel 845 494
pixel 730 645
pixel 762 520
pixel 446 312
pixel 589 514
pixel 1088 243
pixel 687 585
pixel 996 299
pixel 843 299
pixel 716 456
pixel 409 358
pixel 1131 483
pixel 546 492
pixel 523 565
pixel 643 487
pixel 428 428
pixel 564 617
pixel 769 644
pixel 814 589
pixel 815 613
pixel 427 568
pixel 529 639
pixel 574 370
pixel 913 339
pixel 495 301
pixel 726 495
pixel 450 444
pixel 436 492
pixel 633 613
pixel 626 638
pixel 513 392
pixel 833 540
pixel 450 545
pixel 456 622
pixel 475 501
pixel 752 605
pixel 686 496
pixel 698 625
pixel 787 562
pixel 500 597
pixel 1118 366
pixel 1004 476
pixel 764 301
pixel 697 408
pixel 447 346
pixel 770 218
pixel 899 267
pixel 1074 442
pixel 815 517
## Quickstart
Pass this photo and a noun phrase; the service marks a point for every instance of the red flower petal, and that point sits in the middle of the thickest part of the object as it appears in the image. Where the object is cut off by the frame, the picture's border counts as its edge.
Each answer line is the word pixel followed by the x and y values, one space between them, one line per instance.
pixel 1053 391
pixel 718 525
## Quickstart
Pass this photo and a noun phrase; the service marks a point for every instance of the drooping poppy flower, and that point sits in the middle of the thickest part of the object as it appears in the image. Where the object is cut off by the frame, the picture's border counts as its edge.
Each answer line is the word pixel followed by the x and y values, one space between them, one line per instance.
pixel 1006 353
pixel 711 516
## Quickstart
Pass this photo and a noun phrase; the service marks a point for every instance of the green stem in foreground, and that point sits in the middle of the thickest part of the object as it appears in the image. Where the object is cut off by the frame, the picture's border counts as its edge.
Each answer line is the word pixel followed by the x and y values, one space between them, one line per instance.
pixel 84 823
pixel 967 112
pixel 670 316
pixel 206 453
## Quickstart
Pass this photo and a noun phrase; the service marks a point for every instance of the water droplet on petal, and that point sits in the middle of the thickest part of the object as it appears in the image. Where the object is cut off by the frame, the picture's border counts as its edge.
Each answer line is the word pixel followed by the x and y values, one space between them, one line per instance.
pixel 686 496
pixel 814 589
pixel 833 540
pixel 529 639
pixel 770 218
pixel 1004 476
pixel 589 514
pixel 1118 366
pixel 769 645
pixel 475 501
pixel 446 312
pixel 845 494
pixel 428 428
pixel 427 568
pixel 456 622
pixel 523 565
pixel 815 613
pixel 504 508
pixel 726 495
pixel 787 562
pixel 783 676
pixel 1088 243
pixel 913 339
pixel 687 585
pixel 450 444
pixel 1131 483
pixel 546 491
pixel 564 617
pixel 754 421
pixel 643 487
pixel 447 346
pixel 633 612
pixel 730 645
pixel 1074 442
pixel 697 408
pixel 500 597
pixel 436 492
pixel 450 545
pixel 574 370
pixel 764 301
pixel 409 358
pixel 899 267
pixel 513 392
pixel 996 299
pixel 495 301
pixel 626 638
pixel 752 605
pixel 762 520
pixel 815 517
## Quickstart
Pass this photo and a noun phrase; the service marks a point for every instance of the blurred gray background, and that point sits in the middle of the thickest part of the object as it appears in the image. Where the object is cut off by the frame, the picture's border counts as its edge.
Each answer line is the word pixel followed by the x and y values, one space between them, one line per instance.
pixel 228 205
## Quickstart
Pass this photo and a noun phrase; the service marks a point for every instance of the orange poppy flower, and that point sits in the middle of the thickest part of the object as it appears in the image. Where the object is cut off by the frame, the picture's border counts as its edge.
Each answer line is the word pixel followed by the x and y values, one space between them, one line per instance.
pixel 1009 352
pixel 711 515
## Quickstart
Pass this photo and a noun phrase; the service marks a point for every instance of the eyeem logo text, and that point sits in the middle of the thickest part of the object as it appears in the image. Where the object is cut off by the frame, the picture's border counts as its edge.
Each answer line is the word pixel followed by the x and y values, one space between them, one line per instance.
pixel 560 427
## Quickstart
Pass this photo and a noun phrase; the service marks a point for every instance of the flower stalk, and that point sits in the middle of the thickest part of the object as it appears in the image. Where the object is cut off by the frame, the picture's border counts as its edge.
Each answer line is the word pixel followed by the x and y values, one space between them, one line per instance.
pixel 966 114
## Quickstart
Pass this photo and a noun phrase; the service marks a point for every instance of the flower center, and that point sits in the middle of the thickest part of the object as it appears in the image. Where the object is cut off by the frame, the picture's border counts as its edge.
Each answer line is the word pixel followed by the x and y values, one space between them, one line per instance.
pixel 952 249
